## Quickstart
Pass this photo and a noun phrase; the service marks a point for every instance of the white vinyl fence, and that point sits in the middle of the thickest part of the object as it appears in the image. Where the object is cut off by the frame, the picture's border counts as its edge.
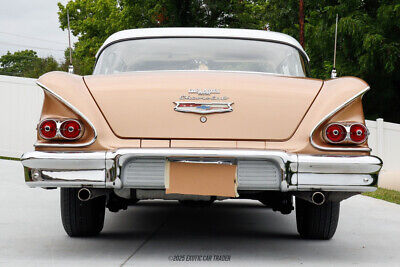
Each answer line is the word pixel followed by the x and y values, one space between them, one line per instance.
pixel 21 102
pixel 384 140
pixel 20 106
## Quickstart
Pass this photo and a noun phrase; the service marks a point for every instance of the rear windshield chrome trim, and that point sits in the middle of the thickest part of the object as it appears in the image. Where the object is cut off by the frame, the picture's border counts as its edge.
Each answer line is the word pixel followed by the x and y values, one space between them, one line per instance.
pixel 332 113
pixel 76 111
pixel 208 71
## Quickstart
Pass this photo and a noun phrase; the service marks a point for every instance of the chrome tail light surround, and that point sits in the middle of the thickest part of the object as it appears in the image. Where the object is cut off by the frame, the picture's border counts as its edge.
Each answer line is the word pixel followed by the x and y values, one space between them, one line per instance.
pixel 347 139
pixel 75 133
pixel 47 129
pixel 59 135
pixel 335 133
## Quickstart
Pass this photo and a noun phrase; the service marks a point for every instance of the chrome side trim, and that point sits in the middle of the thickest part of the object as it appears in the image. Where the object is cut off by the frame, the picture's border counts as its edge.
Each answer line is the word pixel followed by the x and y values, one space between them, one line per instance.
pixel 334 179
pixel 333 112
pixel 59 183
pixel 337 164
pixel 74 109
pixel 332 188
pixel 64 160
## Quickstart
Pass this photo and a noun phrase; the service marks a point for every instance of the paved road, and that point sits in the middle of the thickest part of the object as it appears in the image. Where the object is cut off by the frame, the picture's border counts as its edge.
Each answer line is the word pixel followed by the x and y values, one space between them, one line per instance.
pixel 152 232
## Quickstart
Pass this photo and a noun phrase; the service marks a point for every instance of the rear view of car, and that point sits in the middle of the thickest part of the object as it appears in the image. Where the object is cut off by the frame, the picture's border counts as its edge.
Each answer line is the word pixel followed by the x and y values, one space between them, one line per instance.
pixel 201 115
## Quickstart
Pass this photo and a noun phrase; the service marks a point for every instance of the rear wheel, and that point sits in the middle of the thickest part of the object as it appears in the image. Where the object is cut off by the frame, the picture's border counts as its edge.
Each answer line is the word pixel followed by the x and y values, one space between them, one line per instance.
pixel 317 221
pixel 81 218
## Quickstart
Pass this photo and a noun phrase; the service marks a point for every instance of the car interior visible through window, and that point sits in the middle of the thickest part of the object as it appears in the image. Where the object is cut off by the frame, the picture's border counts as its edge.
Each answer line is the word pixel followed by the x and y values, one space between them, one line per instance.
pixel 216 54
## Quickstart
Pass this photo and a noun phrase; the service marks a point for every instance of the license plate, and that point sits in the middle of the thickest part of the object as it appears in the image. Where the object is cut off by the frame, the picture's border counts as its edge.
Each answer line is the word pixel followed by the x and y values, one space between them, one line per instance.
pixel 206 179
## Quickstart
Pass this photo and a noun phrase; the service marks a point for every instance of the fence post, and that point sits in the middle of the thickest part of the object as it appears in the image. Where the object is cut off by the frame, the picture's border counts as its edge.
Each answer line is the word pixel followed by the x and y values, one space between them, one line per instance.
pixel 379 137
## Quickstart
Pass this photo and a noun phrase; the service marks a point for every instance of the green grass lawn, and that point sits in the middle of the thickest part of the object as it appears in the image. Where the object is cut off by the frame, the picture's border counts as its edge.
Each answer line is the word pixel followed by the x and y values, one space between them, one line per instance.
pixel 8 158
pixel 385 194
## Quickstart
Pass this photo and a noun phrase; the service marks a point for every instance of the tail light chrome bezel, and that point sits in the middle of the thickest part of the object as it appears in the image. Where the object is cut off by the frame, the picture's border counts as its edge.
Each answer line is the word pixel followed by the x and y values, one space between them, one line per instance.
pixel 325 133
pixel 59 135
pixel 74 138
pixel 347 139
pixel 39 127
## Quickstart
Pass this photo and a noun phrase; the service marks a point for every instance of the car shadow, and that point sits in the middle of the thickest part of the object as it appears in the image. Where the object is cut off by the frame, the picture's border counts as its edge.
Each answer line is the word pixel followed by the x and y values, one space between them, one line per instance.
pixel 224 219
pixel 245 230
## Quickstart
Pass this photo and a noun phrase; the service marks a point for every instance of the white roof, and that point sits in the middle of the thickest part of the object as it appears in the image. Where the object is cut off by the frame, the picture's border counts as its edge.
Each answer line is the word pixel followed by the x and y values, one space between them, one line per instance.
pixel 202 32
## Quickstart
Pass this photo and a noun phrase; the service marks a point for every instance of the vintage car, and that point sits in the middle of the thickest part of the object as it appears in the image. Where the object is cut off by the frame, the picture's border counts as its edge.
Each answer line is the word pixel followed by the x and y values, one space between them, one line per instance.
pixel 198 115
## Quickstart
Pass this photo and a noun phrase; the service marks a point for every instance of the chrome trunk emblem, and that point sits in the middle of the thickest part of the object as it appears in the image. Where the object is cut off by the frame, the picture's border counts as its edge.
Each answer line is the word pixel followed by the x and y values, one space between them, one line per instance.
pixel 203 108
pixel 203 91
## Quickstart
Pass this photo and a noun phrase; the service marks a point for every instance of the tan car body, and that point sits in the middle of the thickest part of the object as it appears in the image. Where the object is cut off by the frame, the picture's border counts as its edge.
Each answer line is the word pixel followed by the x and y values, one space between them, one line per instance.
pixel 271 112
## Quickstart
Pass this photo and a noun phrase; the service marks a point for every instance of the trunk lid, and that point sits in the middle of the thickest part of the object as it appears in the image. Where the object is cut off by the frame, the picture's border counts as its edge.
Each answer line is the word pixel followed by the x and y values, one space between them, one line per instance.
pixel 264 107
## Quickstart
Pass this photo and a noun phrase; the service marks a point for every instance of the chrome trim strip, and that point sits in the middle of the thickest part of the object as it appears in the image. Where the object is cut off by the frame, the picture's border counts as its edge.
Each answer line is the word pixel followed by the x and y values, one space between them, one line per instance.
pixel 330 164
pixel 74 109
pixel 55 183
pixel 64 160
pixel 335 179
pixel 358 189
pixel 345 104
pixel 218 71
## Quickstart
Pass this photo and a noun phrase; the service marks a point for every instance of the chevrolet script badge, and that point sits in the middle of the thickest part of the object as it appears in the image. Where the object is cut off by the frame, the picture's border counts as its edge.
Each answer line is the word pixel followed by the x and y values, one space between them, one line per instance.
pixel 203 108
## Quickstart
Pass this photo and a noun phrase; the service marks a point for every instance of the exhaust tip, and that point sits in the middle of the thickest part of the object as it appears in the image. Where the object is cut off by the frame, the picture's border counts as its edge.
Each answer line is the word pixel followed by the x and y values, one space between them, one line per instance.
pixel 318 198
pixel 84 194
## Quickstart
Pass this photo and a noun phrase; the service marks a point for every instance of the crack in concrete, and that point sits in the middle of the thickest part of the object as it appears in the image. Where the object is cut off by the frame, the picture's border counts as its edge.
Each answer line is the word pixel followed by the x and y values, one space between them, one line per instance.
pixel 145 241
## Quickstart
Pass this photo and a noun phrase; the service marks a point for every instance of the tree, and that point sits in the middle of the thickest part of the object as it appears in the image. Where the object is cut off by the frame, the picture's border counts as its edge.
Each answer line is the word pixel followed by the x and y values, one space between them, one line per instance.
pixel 94 20
pixel 77 63
pixel 368 44
pixel 26 63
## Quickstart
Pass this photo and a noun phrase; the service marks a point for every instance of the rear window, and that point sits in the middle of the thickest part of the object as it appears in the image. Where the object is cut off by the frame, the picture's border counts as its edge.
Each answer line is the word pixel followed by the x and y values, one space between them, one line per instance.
pixel 216 54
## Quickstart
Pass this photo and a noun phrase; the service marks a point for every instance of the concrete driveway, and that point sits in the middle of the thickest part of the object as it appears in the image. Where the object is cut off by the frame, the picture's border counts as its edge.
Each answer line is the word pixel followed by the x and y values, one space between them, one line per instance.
pixel 155 233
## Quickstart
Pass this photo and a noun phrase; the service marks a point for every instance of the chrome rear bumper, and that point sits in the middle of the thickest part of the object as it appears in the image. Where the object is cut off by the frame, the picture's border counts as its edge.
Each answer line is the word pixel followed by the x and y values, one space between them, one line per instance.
pixel 291 172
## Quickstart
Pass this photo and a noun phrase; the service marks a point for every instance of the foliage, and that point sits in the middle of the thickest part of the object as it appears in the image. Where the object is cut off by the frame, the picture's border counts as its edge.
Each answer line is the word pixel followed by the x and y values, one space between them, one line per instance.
pixel 94 20
pixel 385 194
pixel 368 44
pixel 26 63
pixel 76 62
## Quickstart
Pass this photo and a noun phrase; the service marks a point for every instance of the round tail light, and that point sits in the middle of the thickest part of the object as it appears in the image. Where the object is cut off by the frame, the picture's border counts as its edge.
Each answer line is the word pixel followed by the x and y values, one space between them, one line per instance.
pixel 335 133
pixel 71 129
pixel 48 129
pixel 358 133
